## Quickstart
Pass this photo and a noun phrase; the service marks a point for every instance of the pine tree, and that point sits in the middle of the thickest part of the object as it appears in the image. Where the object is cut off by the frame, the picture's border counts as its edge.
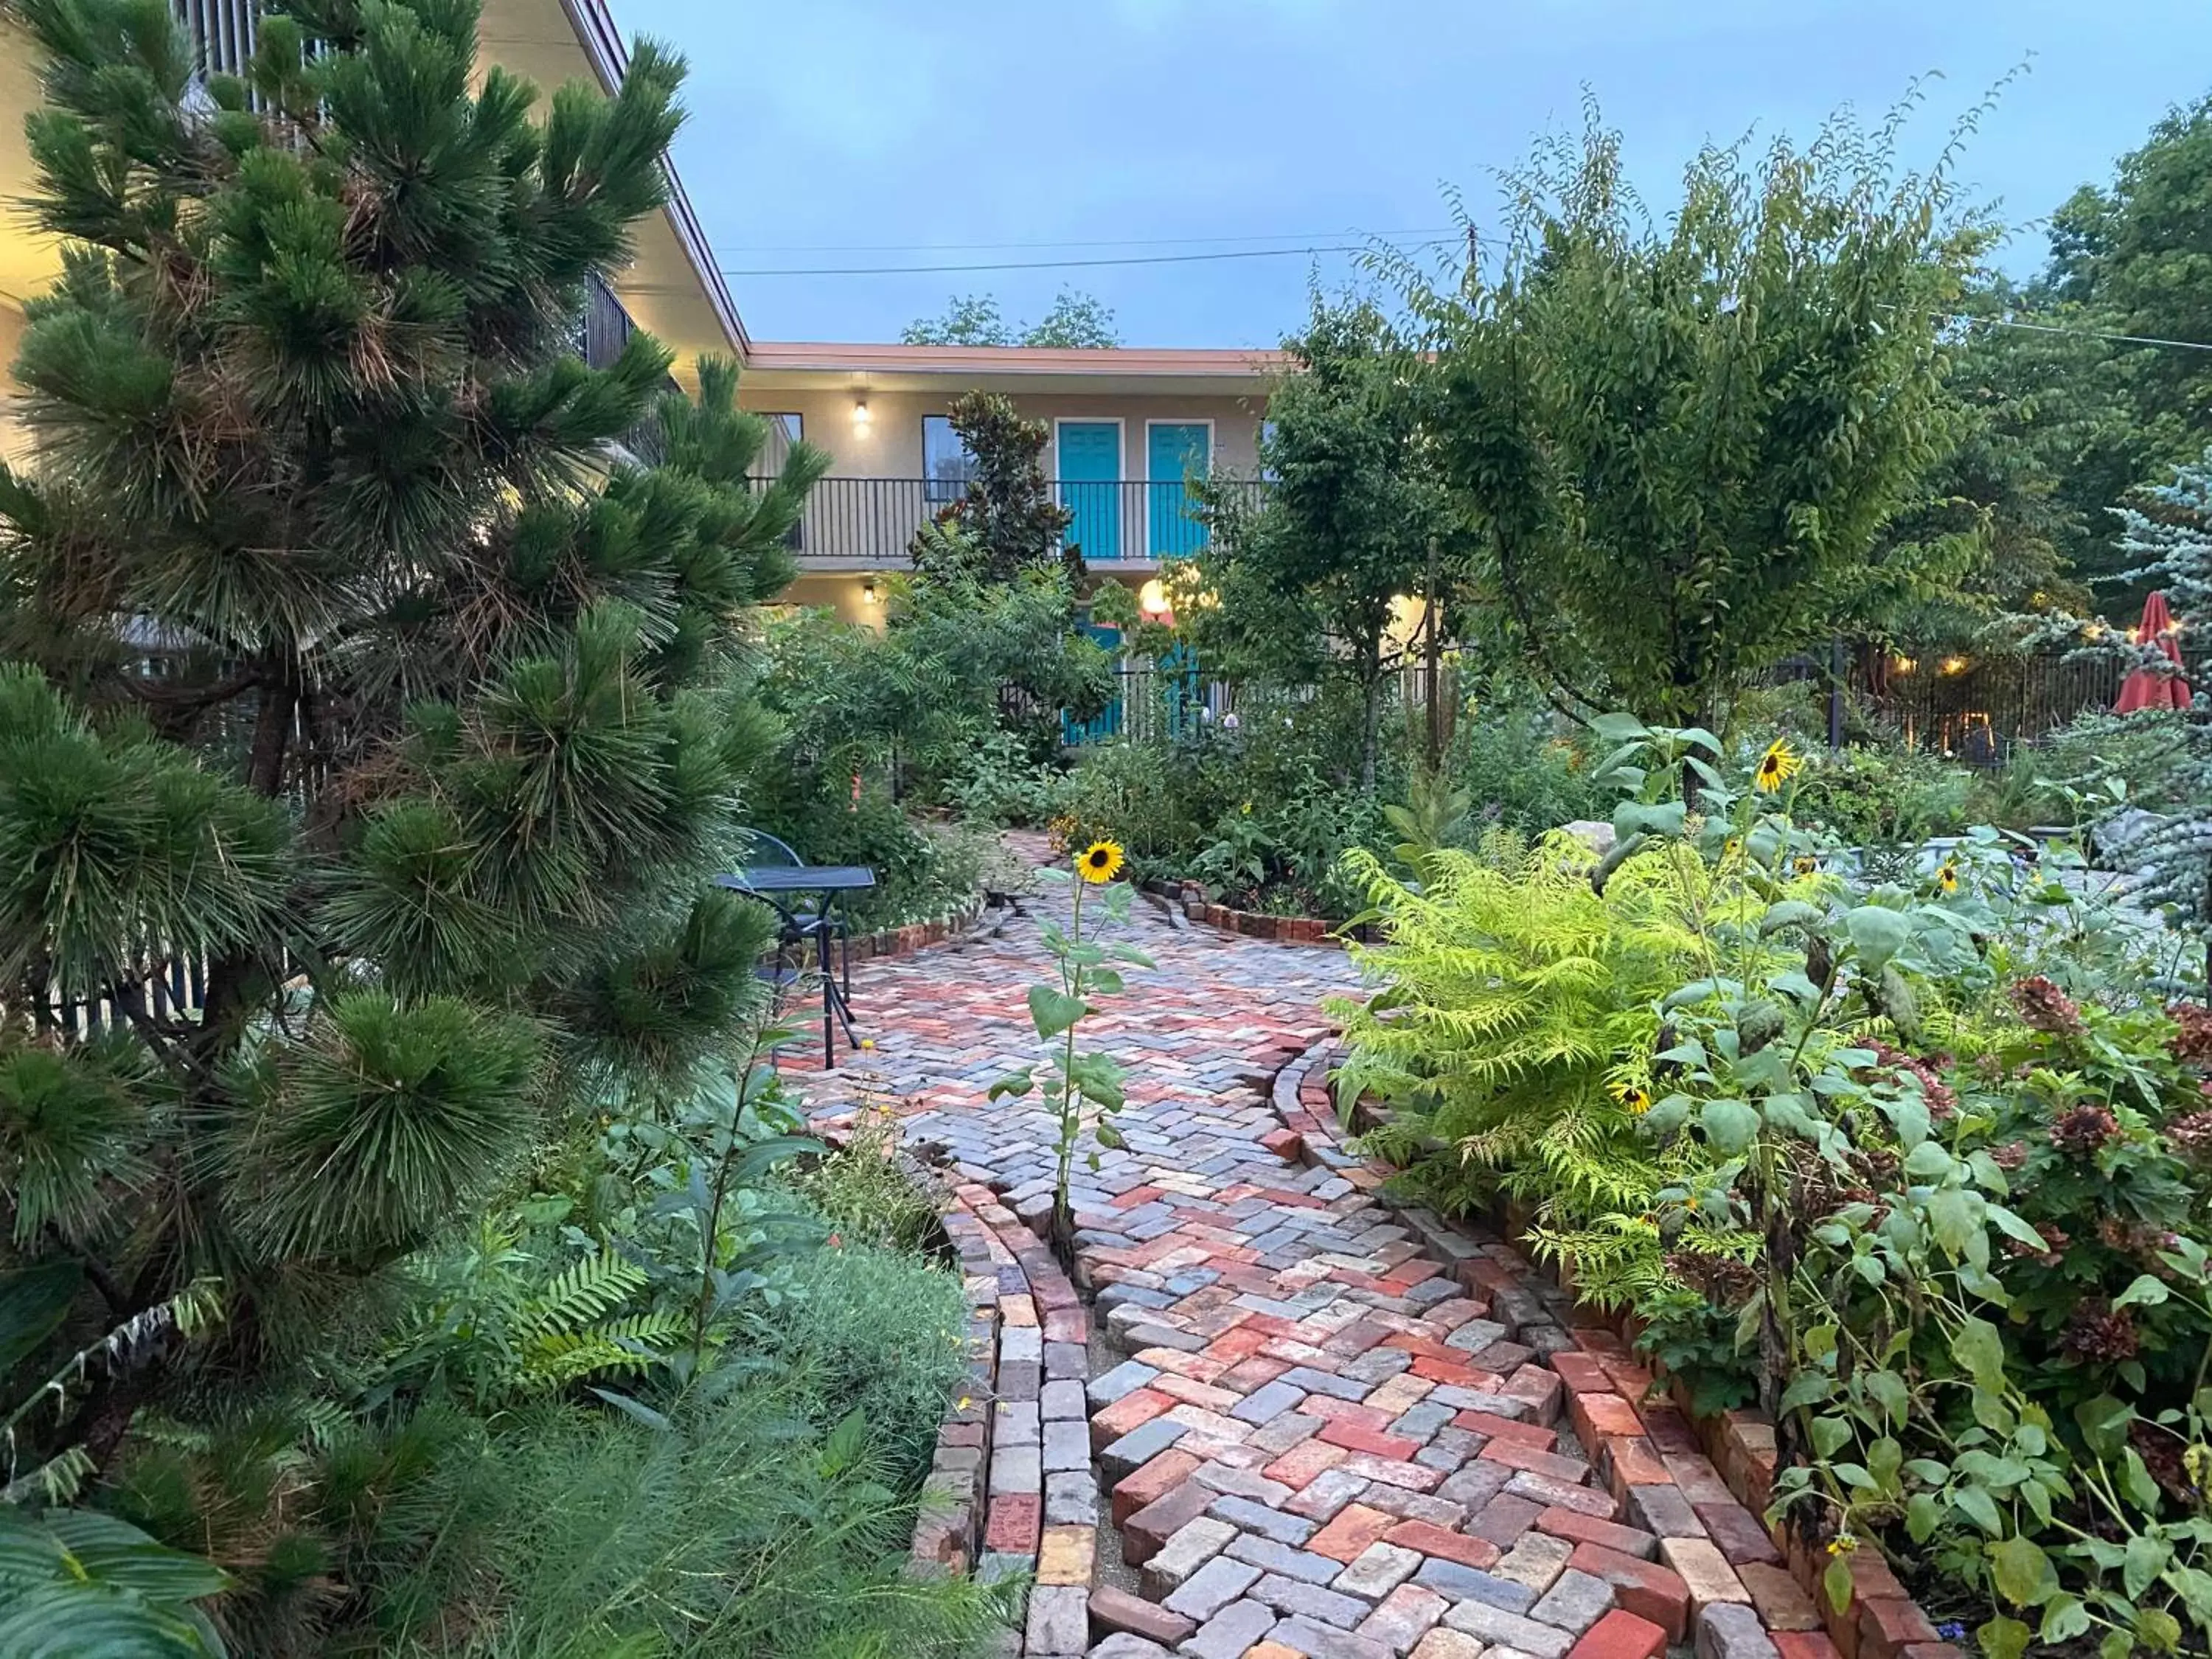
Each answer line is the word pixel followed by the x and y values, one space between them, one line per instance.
pixel 353 671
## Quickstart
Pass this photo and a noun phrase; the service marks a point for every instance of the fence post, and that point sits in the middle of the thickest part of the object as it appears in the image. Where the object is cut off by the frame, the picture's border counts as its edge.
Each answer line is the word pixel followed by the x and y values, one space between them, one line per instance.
pixel 1836 694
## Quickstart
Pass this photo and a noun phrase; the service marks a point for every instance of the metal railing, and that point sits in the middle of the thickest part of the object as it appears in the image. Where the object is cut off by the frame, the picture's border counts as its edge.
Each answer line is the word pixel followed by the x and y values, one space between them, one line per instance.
pixel 1122 521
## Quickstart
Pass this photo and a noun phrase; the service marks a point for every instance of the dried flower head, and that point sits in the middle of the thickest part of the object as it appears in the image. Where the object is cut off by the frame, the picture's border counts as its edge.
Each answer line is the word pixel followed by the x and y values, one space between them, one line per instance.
pixel 2046 1008
pixel 2081 1131
pixel 2097 1333
pixel 2191 1137
pixel 2192 1044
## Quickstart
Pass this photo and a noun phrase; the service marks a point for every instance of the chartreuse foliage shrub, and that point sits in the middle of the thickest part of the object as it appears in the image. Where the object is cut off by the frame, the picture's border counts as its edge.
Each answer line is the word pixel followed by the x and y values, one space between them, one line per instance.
pixel 1937 1182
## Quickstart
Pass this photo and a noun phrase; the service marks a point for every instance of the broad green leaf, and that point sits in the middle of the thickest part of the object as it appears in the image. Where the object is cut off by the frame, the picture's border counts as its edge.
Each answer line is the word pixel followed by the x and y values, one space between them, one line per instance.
pixel 1928 1161
pixel 1954 1217
pixel 1807 1388
pixel 2135 1484
pixel 1108 1136
pixel 2146 1291
pixel 2147 1556
pixel 1877 933
pixel 1836 1580
pixel 2158 1630
pixel 2002 1638
pixel 1054 1012
pixel 1922 1516
pixel 2104 1423
pixel 1979 1348
pixel 1884 1459
pixel 1909 1112
pixel 1730 1126
pixel 1829 1435
pixel 2064 1618
pixel 1016 1084
pixel 1978 1507
pixel 2021 1572
pixel 1620 729
pixel 1790 913
pixel 2012 1227
pixel 1888 1391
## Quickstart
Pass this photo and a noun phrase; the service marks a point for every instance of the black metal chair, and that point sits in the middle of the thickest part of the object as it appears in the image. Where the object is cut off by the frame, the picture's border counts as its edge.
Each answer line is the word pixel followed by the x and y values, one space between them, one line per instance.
pixel 804 922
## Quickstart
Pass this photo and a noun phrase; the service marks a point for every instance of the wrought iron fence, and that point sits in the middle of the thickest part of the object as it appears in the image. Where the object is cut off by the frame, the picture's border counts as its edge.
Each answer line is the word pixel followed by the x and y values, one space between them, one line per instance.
pixel 1980 709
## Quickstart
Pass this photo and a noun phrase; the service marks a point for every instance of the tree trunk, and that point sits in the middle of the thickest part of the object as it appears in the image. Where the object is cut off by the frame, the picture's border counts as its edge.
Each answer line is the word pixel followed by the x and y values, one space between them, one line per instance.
pixel 1371 715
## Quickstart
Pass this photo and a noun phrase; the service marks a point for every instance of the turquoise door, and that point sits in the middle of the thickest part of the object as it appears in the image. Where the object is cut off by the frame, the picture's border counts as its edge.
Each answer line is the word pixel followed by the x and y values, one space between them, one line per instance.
pixel 1107 724
pixel 1090 486
pixel 1175 451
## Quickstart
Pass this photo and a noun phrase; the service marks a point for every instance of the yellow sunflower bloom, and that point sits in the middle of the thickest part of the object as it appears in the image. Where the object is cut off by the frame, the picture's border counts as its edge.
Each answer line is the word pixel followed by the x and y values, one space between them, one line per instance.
pixel 1101 861
pixel 1805 864
pixel 1946 879
pixel 1778 766
pixel 1632 1097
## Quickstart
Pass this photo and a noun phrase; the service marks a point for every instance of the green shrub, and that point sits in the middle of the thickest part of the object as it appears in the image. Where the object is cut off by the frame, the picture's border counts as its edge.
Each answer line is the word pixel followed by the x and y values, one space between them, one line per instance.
pixel 1873 797
pixel 1519 772
pixel 739 1522
pixel 868 1329
pixel 865 1195
pixel 997 782
pixel 1513 1038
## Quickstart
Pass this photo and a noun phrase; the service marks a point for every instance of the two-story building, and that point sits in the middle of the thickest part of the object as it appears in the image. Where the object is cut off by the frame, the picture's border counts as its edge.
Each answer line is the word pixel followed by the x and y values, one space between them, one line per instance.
pixel 1129 426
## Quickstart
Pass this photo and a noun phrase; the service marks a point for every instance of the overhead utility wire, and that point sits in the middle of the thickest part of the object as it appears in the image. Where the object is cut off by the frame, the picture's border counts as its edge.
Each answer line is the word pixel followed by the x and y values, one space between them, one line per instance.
pixel 1299 236
pixel 1053 265
pixel 2084 333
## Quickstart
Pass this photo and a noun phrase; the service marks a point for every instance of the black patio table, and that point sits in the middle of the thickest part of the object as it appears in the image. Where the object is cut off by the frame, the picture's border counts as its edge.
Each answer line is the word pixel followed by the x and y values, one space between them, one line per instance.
pixel 782 886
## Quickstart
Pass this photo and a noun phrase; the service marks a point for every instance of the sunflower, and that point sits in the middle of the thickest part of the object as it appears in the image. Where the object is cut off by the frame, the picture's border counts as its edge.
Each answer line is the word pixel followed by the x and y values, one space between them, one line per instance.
pixel 1946 879
pixel 1805 864
pixel 1632 1097
pixel 1778 766
pixel 1101 861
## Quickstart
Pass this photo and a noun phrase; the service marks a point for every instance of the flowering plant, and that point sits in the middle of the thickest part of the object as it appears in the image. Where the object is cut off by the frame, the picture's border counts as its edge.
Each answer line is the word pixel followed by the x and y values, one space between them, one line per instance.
pixel 1080 1088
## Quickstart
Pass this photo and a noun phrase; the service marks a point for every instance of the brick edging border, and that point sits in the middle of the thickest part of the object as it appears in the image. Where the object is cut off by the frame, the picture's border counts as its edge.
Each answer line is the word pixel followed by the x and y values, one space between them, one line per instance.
pixel 1010 1487
pixel 1249 924
pixel 1755 1590
pixel 917 935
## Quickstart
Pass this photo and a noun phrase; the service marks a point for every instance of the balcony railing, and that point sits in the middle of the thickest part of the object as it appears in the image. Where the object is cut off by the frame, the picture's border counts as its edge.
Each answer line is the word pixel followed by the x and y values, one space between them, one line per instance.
pixel 872 521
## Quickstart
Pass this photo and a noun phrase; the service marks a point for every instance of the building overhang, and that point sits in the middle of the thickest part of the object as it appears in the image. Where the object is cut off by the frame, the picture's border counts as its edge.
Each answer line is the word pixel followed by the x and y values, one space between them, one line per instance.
pixel 784 365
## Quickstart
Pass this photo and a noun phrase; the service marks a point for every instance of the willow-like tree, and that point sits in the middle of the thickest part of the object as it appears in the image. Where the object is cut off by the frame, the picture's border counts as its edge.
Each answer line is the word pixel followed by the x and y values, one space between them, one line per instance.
pixel 1680 444
pixel 370 722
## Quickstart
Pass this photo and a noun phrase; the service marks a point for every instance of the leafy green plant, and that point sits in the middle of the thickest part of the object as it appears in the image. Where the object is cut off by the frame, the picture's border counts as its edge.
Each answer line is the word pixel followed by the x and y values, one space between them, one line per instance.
pixel 862 1328
pixel 1513 990
pixel 78 1581
pixel 865 1191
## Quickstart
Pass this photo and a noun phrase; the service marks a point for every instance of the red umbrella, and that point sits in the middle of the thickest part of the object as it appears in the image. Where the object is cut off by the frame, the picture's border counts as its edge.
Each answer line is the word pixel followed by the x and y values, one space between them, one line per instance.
pixel 2147 688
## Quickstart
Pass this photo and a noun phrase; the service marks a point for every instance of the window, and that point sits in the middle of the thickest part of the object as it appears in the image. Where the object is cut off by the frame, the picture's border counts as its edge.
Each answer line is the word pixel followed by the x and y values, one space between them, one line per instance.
pixel 783 431
pixel 946 463
pixel 1266 438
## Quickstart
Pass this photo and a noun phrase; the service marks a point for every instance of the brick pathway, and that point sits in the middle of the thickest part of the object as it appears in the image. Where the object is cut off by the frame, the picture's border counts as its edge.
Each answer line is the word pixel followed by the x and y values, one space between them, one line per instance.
pixel 1336 1434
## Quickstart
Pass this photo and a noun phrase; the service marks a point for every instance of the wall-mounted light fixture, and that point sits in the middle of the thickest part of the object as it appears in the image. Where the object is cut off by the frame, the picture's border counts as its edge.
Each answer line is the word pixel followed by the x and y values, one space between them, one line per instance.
pixel 861 413
pixel 1153 598
pixel 868 591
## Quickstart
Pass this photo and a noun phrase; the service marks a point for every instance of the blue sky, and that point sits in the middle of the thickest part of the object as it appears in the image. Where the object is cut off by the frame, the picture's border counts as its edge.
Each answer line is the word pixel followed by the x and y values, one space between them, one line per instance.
pixel 879 132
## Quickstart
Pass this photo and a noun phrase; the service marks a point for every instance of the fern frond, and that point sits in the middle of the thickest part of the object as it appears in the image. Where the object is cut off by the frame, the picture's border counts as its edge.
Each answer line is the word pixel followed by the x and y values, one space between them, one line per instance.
pixel 586 1290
